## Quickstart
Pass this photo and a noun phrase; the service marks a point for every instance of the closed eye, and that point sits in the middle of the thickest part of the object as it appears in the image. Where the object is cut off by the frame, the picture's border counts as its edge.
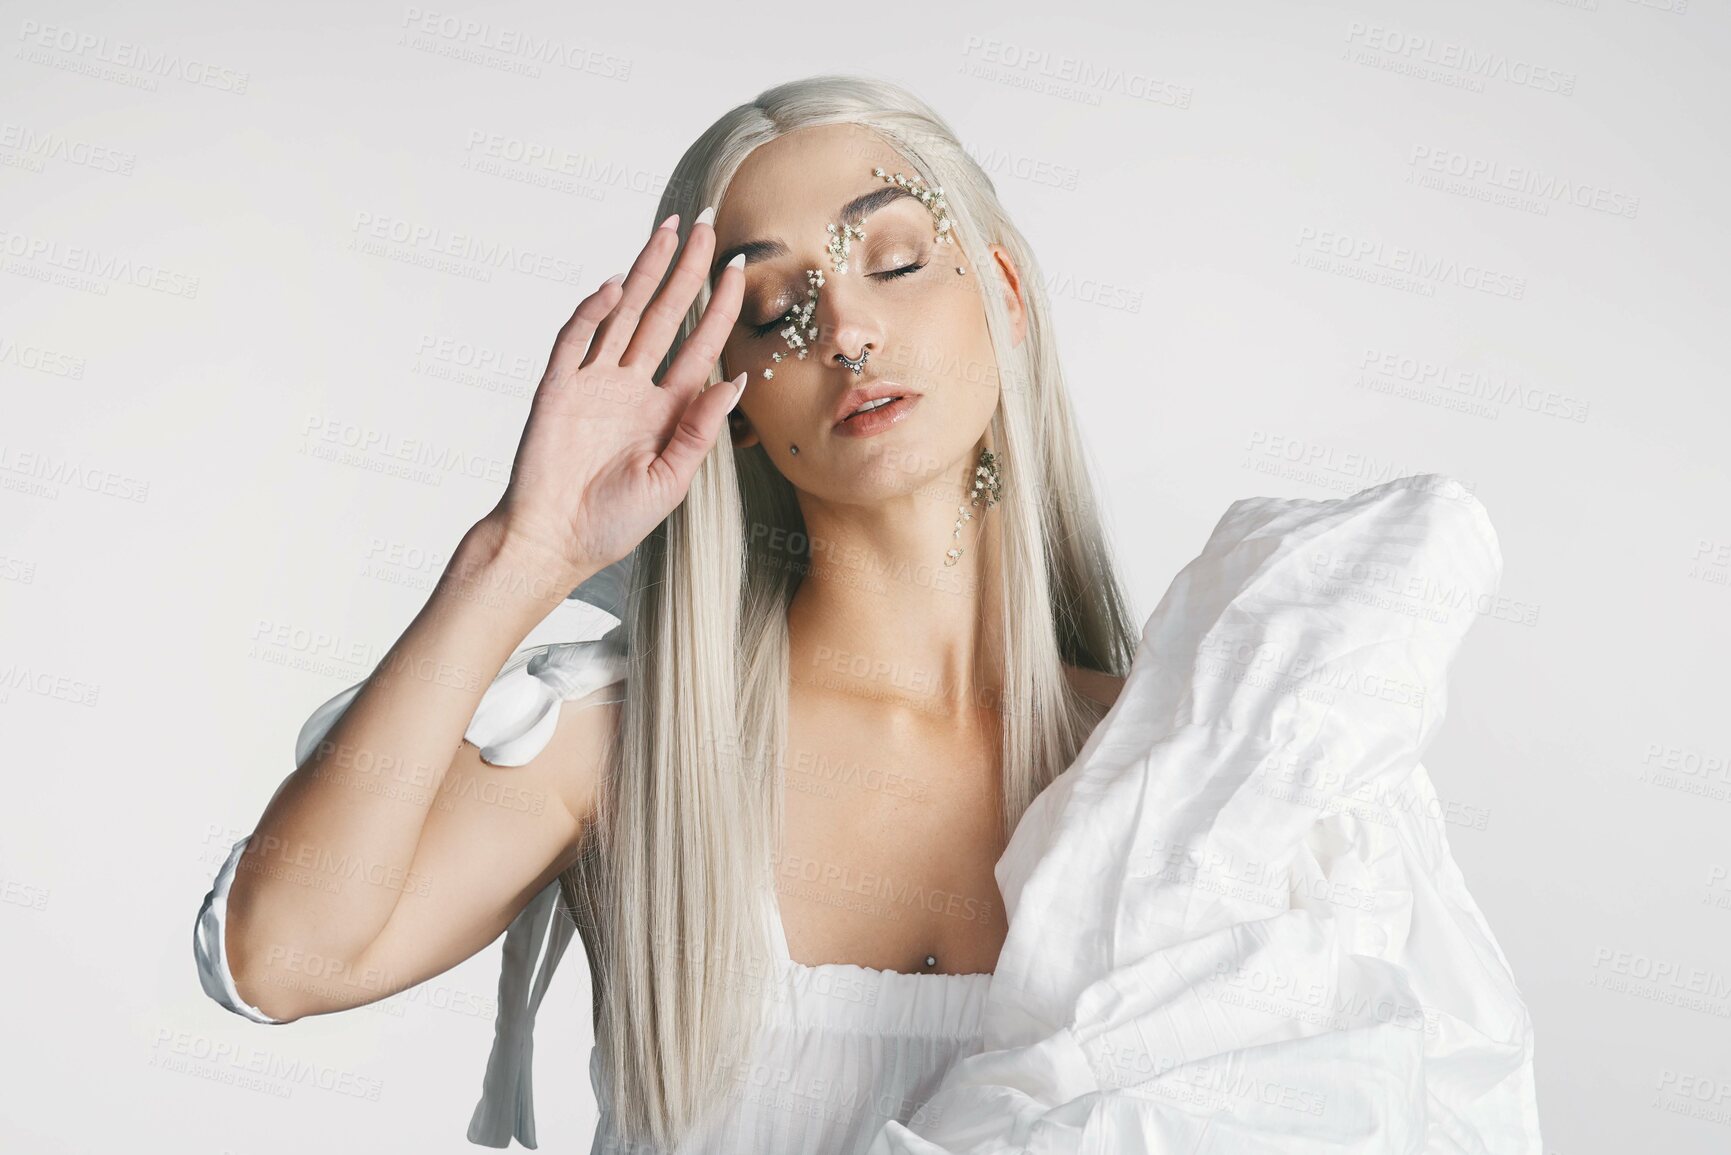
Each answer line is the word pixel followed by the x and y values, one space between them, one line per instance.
pixel 764 329
pixel 892 274
pixel 786 318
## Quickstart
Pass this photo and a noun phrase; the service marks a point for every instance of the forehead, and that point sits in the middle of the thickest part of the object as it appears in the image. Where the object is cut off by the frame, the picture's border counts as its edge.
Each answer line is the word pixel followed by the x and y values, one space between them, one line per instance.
pixel 802 179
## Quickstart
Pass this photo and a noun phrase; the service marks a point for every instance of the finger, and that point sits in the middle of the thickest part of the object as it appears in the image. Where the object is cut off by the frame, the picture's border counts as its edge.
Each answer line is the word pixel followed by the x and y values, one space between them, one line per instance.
pixel 616 328
pixel 696 432
pixel 702 349
pixel 664 315
pixel 573 339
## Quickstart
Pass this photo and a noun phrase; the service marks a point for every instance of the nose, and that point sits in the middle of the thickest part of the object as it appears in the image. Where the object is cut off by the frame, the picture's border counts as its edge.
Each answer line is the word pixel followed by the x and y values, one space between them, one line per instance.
pixel 848 330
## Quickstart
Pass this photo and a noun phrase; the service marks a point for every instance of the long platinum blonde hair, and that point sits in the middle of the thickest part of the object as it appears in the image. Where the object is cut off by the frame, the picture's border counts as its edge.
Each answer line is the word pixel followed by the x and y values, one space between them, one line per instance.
pixel 670 892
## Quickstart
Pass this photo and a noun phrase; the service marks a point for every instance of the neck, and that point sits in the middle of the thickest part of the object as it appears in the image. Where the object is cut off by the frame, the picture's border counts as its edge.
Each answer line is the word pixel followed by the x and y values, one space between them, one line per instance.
pixel 880 615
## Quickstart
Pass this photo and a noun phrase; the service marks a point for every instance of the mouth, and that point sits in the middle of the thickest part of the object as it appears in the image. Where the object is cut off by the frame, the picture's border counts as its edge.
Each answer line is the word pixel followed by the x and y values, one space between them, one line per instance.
pixel 879 403
pixel 877 414
pixel 869 398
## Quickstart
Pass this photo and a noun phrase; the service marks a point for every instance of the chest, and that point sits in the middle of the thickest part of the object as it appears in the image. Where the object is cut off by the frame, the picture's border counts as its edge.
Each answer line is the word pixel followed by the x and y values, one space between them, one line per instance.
pixel 892 834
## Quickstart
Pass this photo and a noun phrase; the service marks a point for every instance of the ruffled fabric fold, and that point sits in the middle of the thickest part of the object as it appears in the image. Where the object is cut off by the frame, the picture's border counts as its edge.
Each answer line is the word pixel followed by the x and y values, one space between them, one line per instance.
pixel 209 948
pixel 1234 922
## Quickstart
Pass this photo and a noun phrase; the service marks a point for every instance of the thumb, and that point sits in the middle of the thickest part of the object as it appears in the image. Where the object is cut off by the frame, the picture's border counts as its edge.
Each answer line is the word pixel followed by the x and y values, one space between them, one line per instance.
pixel 698 428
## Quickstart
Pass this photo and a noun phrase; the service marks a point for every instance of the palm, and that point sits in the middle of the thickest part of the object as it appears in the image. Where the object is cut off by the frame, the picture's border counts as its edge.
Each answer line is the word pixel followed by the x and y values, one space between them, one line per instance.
pixel 607 451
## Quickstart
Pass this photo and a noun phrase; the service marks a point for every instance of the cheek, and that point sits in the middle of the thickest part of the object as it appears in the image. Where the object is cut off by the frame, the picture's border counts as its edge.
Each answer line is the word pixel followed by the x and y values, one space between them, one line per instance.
pixel 947 333
pixel 735 357
pixel 747 356
pixel 931 324
pixel 960 352
pixel 772 406
pixel 956 300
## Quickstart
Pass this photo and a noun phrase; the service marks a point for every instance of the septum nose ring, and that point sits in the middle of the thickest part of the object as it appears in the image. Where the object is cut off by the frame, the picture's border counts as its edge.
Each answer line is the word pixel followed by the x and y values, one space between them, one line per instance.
pixel 851 363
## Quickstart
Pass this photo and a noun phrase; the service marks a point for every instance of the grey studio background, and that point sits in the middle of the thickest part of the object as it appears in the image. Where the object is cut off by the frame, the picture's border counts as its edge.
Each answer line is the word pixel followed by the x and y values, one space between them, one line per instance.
pixel 260 372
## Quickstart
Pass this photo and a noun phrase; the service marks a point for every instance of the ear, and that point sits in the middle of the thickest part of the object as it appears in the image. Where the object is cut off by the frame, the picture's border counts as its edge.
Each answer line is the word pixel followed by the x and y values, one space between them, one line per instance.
pixel 1013 303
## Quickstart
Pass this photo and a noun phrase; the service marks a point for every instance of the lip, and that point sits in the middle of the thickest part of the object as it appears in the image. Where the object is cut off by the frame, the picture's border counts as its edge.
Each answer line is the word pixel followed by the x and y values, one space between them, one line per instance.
pixel 878 419
pixel 881 418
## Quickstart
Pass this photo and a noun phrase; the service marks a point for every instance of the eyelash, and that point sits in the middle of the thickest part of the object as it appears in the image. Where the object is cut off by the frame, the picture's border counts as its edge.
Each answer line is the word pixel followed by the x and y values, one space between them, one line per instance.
pixel 769 327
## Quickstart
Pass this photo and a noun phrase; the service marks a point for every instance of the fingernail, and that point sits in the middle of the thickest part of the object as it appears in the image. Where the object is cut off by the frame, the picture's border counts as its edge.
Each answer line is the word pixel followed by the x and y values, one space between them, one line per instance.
pixel 738 261
pixel 613 280
pixel 707 216
pixel 672 222
pixel 738 381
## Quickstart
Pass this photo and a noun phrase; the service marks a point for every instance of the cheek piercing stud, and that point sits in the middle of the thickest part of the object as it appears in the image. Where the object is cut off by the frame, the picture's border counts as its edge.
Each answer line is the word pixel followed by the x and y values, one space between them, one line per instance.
pixel 794 449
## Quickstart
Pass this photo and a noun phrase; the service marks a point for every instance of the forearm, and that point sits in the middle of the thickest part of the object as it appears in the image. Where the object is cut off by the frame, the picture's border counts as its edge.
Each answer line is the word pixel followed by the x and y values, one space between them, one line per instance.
pixel 334 849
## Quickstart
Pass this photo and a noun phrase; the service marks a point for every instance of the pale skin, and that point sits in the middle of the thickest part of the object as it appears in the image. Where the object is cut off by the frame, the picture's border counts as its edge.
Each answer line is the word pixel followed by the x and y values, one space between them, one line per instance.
pixel 892 776
pixel 893 738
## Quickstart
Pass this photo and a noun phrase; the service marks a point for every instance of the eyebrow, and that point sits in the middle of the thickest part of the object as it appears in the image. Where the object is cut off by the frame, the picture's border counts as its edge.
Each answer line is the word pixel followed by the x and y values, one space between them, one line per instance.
pixel 852 213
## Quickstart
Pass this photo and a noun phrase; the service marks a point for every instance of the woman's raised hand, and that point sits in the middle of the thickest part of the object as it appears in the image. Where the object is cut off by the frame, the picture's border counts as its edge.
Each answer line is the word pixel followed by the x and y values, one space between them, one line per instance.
pixel 607 451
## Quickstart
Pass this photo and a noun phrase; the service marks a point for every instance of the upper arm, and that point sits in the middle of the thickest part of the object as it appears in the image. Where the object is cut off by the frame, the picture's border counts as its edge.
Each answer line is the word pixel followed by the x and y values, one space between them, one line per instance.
pixel 494 838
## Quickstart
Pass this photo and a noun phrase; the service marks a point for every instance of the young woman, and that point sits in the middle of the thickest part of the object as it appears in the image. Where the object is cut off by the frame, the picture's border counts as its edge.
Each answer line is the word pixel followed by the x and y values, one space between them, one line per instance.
pixel 866 637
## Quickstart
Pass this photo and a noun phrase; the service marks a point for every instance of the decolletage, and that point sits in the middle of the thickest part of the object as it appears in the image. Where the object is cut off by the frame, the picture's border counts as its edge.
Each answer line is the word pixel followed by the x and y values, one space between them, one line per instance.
pixel 778 940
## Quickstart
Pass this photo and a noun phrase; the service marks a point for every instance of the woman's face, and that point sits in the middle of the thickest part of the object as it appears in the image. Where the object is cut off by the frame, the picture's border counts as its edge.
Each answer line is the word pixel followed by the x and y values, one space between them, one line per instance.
pixel 901 299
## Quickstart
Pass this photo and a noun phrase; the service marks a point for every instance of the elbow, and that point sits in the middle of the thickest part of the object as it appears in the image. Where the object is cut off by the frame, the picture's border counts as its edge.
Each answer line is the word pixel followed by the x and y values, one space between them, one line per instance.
pixel 248 962
pixel 264 976
pixel 263 992
pixel 230 977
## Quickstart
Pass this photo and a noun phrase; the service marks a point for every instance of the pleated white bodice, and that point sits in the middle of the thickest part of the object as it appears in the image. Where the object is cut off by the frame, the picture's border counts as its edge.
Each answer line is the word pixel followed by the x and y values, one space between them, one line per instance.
pixel 844 1049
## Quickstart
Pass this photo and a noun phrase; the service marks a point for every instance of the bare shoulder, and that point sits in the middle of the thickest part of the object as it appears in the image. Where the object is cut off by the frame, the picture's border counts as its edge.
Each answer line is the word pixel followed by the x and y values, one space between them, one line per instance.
pixel 576 756
pixel 1092 684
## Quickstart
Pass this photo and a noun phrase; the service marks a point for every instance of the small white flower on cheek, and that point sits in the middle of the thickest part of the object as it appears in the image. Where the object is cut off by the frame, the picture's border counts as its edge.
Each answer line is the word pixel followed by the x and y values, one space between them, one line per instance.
pixel 800 328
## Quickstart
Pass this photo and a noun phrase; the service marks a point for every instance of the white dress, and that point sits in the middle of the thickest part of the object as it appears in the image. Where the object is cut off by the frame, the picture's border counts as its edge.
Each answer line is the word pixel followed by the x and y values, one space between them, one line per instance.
pixel 847 1049
pixel 1234 921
